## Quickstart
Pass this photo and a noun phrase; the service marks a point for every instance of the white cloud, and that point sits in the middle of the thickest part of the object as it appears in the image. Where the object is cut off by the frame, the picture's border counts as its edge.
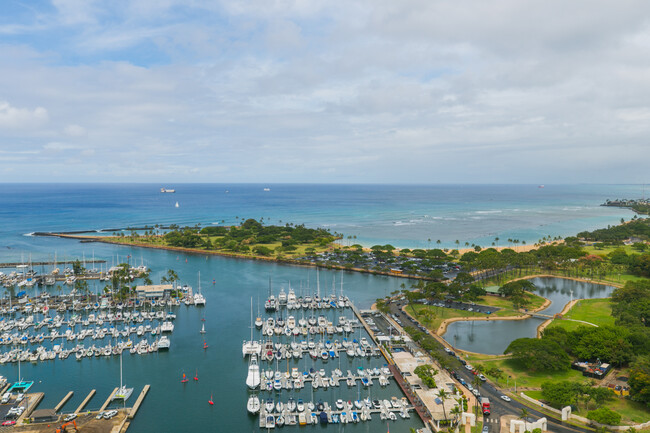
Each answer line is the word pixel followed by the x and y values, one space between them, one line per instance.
pixel 299 90
pixel 18 118
pixel 74 131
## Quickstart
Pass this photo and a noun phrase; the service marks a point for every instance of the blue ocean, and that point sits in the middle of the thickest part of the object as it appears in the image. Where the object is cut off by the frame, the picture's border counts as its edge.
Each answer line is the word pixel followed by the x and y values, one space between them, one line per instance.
pixel 402 215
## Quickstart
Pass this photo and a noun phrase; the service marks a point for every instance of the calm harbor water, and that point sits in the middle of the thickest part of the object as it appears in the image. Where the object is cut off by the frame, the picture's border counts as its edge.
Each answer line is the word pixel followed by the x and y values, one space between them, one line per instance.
pixel 493 337
pixel 405 216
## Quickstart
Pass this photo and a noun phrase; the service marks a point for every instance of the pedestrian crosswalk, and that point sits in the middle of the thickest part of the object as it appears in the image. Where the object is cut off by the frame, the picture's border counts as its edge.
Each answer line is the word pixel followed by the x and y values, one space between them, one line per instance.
pixel 491 420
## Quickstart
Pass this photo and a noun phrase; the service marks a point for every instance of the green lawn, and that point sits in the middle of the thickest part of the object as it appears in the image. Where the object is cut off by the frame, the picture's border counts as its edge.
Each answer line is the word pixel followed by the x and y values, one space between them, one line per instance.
pixel 524 377
pixel 536 301
pixel 438 314
pixel 606 250
pixel 596 311
pixel 631 411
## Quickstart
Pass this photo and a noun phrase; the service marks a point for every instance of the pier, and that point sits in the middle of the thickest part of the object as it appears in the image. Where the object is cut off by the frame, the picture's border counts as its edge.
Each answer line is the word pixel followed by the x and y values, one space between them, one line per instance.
pixel 63 401
pixel 85 402
pixel 108 400
pixel 16 264
pixel 138 402
pixel 33 400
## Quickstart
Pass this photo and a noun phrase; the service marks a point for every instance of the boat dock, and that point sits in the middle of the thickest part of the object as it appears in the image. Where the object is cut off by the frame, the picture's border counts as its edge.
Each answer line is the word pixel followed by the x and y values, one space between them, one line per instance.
pixel 138 402
pixel 108 400
pixel 63 401
pixel 348 414
pixel 47 420
pixel 85 402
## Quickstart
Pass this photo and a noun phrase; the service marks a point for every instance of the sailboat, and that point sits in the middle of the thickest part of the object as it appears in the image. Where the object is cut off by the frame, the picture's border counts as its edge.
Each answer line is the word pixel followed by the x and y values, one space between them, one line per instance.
pixel 122 393
pixel 202 329
pixel 205 345
pixel 199 299
pixel 253 378
pixel 253 404
pixel 196 375
pixel 251 347
pixel 176 205
pixel 184 379
pixel 211 401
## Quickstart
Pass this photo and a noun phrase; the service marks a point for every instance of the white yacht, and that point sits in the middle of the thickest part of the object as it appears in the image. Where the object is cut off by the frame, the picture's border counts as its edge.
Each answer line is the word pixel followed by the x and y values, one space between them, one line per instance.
pixel 282 297
pixel 164 343
pixel 252 347
pixel 123 393
pixel 253 405
pixel 199 299
pixel 253 378
pixel 167 327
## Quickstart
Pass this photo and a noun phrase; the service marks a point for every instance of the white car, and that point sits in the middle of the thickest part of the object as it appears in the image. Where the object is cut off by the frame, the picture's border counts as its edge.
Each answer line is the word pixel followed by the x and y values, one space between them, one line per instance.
pixel 100 415
pixel 110 414
pixel 70 417
pixel 469 367
pixel 20 397
pixel 448 350
pixel 505 398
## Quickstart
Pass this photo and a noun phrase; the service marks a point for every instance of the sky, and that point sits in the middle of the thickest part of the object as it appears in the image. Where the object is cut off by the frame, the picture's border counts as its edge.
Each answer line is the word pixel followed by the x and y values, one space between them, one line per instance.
pixel 366 91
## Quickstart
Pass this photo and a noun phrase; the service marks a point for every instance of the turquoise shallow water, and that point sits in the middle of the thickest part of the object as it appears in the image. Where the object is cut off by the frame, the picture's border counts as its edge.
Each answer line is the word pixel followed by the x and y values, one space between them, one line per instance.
pixel 402 215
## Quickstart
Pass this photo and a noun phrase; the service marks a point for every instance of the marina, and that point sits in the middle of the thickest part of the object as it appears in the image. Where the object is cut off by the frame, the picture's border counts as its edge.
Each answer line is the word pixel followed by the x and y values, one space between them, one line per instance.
pixel 326 348
pixel 40 329
pixel 74 311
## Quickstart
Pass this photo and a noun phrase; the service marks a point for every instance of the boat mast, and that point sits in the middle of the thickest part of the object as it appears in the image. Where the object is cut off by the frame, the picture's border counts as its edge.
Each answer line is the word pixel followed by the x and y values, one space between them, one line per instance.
pixel 121 372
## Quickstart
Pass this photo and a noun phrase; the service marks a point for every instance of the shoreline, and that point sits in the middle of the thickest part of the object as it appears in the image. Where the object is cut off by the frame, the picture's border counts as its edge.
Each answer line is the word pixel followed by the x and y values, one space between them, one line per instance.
pixel 286 261
pixel 442 329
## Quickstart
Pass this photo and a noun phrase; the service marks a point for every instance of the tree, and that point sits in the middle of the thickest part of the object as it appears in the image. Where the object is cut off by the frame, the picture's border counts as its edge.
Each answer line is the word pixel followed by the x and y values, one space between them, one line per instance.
pixel 426 373
pixel 605 416
pixel 639 380
pixel 77 269
pixel 523 414
pixel 456 412
pixel 442 395
pixel 539 354
pixel 561 394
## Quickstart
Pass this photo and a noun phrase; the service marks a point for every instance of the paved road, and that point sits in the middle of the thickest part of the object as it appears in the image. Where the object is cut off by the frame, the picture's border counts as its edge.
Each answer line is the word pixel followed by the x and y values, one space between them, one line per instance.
pixel 498 406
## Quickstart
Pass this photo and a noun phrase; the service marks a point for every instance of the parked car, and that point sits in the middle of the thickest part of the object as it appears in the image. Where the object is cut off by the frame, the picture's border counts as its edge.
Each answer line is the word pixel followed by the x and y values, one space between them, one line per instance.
pixel 110 414
pixel 9 422
pixel 70 417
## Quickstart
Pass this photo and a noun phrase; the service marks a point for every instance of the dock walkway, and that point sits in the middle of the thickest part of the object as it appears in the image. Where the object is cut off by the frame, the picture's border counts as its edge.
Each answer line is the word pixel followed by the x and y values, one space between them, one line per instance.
pixel 108 400
pixel 85 402
pixel 63 401
pixel 138 402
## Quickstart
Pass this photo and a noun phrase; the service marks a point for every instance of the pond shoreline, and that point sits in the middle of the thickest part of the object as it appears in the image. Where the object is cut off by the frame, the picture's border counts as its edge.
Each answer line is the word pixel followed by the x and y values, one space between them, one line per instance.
pixel 442 329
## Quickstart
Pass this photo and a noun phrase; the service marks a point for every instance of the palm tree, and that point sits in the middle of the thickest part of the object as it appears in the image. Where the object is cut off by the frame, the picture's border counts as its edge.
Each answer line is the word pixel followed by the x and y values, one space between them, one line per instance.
pixel 476 383
pixel 442 394
pixel 456 412
pixel 523 414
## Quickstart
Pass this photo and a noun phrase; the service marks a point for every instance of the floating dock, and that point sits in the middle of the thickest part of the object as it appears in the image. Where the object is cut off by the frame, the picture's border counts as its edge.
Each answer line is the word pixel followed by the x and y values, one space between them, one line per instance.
pixel 108 400
pixel 138 402
pixel 63 401
pixel 85 402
